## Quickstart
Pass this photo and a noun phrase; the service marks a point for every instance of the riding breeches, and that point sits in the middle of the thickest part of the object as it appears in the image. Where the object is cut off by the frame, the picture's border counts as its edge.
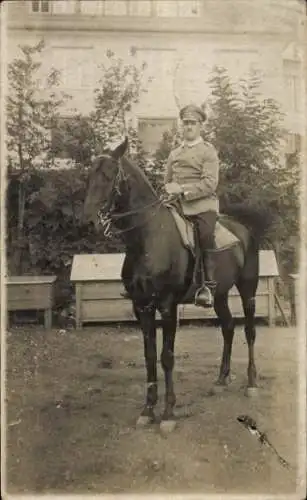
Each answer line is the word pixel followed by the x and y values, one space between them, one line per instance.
pixel 204 224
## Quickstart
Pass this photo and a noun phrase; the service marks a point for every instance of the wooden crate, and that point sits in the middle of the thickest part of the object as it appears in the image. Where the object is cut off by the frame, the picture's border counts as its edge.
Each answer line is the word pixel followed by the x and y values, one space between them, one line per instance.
pixel 98 287
pixel 265 296
pixel 31 293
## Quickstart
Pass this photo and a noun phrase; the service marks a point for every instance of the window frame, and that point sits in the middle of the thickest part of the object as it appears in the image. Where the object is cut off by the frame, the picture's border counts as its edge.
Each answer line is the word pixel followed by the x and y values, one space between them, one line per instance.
pixel 101 11
pixel 40 4
pixel 291 81
pixel 173 122
pixel 151 10
pixel 293 143
pixel 178 4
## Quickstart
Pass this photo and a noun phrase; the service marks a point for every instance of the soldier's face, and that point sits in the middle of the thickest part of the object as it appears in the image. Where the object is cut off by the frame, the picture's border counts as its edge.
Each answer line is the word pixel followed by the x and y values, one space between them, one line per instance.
pixel 191 129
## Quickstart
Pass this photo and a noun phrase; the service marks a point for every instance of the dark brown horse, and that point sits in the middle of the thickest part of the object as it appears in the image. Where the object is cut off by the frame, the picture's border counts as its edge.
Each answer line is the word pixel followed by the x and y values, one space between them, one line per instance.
pixel 158 269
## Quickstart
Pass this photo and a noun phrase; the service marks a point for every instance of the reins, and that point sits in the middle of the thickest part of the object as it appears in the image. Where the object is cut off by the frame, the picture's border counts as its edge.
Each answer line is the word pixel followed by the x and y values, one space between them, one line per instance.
pixel 122 215
pixel 106 218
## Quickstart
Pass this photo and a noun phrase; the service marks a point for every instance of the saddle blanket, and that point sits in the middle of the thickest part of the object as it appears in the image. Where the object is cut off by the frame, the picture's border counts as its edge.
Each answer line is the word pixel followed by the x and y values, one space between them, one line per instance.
pixel 222 236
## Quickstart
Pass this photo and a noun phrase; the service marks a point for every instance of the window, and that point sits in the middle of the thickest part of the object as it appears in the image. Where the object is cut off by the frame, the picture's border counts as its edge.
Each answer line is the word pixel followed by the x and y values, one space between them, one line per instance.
pixel 162 8
pixel 159 100
pixel 140 7
pixel 77 70
pixel 292 84
pixel 115 7
pixel 40 6
pixel 167 8
pixel 177 8
pixel 293 143
pixel 239 62
pixel 63 7
pixel 293 147
pixel 188 8
pixel 151 130
pixel 91 8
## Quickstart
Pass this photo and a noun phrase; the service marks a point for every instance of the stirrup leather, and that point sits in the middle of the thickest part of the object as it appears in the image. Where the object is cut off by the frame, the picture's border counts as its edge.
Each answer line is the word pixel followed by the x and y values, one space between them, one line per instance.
pixel 211 284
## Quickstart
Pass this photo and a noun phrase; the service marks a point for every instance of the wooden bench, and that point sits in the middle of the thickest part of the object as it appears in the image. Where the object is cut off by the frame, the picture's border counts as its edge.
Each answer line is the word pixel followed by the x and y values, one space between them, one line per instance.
pixel 98 286
pixel 31 293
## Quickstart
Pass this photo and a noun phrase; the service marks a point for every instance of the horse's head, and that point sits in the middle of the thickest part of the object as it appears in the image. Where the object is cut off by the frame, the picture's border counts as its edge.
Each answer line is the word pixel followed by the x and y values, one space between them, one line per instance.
pixel 104 183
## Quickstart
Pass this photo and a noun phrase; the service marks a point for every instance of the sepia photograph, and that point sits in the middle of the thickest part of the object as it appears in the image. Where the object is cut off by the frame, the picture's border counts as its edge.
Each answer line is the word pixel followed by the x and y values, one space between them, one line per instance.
pixel 153 248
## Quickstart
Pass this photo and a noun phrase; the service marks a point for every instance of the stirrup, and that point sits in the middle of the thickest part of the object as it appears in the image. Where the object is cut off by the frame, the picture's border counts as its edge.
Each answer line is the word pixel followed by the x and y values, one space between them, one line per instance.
pixel 203 297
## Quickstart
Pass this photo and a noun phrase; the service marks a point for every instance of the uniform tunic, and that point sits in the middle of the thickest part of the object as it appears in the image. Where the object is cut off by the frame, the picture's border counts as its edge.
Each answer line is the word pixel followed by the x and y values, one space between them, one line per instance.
pixel 195 167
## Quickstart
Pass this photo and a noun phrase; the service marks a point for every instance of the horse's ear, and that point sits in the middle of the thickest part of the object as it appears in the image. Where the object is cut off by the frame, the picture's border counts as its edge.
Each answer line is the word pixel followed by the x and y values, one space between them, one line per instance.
pixel 120 150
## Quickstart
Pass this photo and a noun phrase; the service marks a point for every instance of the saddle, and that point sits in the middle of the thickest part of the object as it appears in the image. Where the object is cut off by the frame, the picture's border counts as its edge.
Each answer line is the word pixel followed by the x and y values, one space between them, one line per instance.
pixel 224 238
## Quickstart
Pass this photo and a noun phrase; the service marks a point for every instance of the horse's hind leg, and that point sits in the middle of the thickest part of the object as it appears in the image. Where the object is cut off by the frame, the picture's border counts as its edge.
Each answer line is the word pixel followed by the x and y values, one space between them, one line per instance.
pixel 247 289
pixel 227 325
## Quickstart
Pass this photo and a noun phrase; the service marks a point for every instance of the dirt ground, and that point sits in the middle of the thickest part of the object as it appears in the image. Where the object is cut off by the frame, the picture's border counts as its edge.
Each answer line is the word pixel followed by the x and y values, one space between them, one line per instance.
pixel 73 398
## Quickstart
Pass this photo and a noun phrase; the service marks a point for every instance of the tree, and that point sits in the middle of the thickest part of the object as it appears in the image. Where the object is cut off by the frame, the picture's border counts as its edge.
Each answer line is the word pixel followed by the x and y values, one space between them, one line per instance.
pixel 247 130
pixel 118 88
pixel 31 113
pixel 55 197
pixel 74 138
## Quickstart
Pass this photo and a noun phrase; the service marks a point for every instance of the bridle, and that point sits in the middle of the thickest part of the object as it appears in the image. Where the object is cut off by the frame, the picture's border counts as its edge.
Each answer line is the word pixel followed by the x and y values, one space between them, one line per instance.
pixel 107 215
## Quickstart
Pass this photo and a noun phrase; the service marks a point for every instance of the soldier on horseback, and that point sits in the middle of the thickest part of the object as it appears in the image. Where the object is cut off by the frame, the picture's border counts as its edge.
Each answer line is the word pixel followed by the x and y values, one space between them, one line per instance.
pixel 192 172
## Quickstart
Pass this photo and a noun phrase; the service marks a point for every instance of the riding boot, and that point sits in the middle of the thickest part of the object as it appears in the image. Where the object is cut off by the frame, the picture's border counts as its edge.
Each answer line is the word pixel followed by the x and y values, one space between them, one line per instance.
pixel 205 295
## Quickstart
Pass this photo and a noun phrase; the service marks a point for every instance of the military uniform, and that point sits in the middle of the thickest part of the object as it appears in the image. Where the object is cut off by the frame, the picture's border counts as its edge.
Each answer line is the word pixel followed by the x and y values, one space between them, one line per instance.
pixel 193 168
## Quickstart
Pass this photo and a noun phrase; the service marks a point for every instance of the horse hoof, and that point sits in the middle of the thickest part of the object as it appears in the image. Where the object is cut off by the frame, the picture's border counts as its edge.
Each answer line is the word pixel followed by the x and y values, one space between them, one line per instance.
pixel 167 426
pixel 251 392
pixel 144 421
pixel 219 388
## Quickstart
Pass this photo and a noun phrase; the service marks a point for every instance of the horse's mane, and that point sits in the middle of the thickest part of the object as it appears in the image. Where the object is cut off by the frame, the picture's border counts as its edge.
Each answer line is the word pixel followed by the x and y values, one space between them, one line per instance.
pixel 138 173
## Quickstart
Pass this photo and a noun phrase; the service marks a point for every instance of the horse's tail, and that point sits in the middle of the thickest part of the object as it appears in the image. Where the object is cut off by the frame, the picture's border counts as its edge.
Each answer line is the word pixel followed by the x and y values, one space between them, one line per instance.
pixel 257 219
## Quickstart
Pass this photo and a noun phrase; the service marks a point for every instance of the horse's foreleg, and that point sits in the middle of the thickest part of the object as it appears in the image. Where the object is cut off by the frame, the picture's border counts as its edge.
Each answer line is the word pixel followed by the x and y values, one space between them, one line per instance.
pixel 227 325
pixel 146 318
pixel 169 325
pixel 247 292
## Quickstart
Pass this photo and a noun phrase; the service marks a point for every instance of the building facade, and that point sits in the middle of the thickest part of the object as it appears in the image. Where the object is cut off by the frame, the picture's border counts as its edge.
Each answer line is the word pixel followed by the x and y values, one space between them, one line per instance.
pixel 180 40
